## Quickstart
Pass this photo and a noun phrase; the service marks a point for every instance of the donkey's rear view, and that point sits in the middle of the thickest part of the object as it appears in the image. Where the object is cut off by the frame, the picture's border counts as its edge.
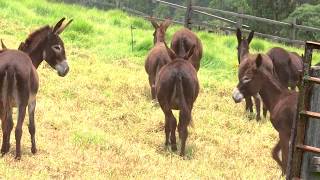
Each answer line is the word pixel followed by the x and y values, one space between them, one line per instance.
pixel 19 79
pixel 18 87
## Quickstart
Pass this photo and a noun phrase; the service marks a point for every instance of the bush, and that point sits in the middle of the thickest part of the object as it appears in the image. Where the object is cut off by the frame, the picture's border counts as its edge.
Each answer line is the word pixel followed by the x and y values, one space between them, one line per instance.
pixel 257 45
pixel 307 15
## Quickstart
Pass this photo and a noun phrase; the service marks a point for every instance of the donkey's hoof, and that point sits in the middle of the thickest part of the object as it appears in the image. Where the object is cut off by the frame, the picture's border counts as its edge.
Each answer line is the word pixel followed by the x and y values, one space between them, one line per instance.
pixel 34 150
pixel 174 147
pixel 18 157
pixel 5 150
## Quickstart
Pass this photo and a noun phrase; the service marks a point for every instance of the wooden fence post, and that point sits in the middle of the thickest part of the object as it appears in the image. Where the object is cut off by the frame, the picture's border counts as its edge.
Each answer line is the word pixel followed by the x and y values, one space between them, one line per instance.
pixel 293 30
pixel 310 167
pixel 239 19
pixel 187 19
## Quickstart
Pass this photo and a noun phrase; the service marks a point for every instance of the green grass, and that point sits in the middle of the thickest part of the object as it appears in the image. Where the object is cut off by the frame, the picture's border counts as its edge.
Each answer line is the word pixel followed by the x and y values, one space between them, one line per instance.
pixel 99 122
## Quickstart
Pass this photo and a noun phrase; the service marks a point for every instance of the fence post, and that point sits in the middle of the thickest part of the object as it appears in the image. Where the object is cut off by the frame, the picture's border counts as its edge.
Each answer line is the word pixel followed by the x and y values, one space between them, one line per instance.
pixel 239 20
pixel 293 30
pixel 310 167
pixel 187 19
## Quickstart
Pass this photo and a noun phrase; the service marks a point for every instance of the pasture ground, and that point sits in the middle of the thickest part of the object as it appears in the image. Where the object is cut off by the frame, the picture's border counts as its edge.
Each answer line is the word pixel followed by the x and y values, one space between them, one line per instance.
pixel 99 122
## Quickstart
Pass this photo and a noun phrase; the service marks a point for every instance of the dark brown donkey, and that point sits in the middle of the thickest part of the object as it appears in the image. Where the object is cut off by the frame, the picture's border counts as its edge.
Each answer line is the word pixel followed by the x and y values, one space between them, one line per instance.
pixel 177 88
pixel 158 55
pixel 288 66
pixel 182 41
pixel 281 102
pixel 19 79
pixel 243 54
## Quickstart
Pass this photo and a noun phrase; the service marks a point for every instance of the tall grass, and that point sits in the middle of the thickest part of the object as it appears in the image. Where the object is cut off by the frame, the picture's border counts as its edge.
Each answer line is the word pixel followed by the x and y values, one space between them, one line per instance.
pixel 99 121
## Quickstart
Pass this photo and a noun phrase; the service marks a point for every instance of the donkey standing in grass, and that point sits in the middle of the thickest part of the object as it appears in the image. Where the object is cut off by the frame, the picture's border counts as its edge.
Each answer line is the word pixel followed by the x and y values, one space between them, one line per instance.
pixel 288 66
pixel 255 78
pixel 243 54
pixel 182 41
pixel 19 80
pixel 158 55
pixel 177 88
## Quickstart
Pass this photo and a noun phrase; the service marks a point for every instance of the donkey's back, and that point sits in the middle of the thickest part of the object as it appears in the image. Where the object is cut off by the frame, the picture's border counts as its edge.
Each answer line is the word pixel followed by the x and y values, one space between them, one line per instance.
pixel 182 41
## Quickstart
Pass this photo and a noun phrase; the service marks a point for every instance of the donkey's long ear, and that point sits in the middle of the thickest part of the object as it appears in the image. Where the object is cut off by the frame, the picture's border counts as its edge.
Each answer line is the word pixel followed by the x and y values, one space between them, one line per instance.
pixel 154 23
pixel 166 24
pixel 171 53
pixel 239 35
pixel 190 52
pixel 64 26
pixel 250 37
pixel 58 25
pixel 3 46
pixel 259 60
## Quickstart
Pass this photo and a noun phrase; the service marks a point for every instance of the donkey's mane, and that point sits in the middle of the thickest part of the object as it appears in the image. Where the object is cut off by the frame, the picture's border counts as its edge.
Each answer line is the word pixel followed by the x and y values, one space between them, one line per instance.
pixel 274 80
pixel 35 38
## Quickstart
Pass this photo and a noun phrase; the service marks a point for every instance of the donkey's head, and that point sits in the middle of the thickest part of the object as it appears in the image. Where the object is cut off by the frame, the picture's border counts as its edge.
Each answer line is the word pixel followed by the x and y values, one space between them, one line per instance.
pixel 46 44
pixel 243 44
pixel 160 30
pixel 250 78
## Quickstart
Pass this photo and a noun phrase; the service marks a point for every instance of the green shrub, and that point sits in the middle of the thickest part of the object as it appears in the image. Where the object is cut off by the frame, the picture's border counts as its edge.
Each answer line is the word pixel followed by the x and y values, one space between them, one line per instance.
pixel 82 26
pixel 257 45
pixel 307 15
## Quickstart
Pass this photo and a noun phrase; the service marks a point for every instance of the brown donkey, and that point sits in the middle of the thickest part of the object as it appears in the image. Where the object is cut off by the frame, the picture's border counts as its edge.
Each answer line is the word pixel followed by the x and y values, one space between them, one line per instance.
pixel 177 88
pixel 281 102
pixel 158 55
pixel 182 41
pixel 19 80
pixel 243 54
pixel 287 65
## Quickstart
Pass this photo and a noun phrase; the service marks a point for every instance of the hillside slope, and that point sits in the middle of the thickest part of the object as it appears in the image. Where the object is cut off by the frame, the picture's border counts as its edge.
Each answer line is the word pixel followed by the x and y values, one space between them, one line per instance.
pixel 99 122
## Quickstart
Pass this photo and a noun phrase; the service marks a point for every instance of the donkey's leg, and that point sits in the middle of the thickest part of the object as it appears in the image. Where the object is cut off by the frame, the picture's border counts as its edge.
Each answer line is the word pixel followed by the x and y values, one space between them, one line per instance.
pixel 275 153
pixel 265 110
pixel 31 126
pixel 168 118
pixel 284 142
pixel 249 104
pixel 173 126
pixel 18 133
pixel 4 126
pixel 258 106
pixel 152 86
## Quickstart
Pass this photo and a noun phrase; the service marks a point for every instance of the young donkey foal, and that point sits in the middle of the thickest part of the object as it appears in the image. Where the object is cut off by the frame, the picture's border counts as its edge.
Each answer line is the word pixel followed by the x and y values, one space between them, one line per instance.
pixel 243 54
pixel 177 88
pixel 19 79
pixel 281 102
pixel 158 55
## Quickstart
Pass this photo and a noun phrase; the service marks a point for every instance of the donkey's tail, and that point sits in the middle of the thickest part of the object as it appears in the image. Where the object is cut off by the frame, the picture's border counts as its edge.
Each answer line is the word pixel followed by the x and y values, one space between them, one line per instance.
pixel 183 106
pixel 7 90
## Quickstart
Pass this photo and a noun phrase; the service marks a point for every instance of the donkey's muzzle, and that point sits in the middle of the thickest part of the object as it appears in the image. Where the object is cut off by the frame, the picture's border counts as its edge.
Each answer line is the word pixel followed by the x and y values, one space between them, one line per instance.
pixel 237 95
pixel 62 68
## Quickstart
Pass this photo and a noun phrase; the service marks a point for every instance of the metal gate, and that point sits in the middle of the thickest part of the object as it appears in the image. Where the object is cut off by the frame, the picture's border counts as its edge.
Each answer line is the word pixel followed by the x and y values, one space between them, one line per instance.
pixel 298 146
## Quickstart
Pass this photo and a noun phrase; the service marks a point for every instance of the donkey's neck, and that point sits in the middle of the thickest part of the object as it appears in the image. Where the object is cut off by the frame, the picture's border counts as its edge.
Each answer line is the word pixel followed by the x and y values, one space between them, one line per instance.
pixel 243 55
pixel 271 91
pixel 37 57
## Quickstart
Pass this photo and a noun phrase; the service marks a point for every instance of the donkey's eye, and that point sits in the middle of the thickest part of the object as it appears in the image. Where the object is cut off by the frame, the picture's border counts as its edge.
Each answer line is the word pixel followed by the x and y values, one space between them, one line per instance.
pixel 56 48
pixel 245 80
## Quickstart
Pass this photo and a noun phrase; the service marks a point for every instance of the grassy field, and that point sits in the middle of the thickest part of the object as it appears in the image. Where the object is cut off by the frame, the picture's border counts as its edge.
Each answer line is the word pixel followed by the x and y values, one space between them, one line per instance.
pixel 99 122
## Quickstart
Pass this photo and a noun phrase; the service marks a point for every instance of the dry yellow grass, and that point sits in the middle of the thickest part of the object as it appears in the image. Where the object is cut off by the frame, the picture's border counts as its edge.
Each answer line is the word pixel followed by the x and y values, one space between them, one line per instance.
pixel 99 122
